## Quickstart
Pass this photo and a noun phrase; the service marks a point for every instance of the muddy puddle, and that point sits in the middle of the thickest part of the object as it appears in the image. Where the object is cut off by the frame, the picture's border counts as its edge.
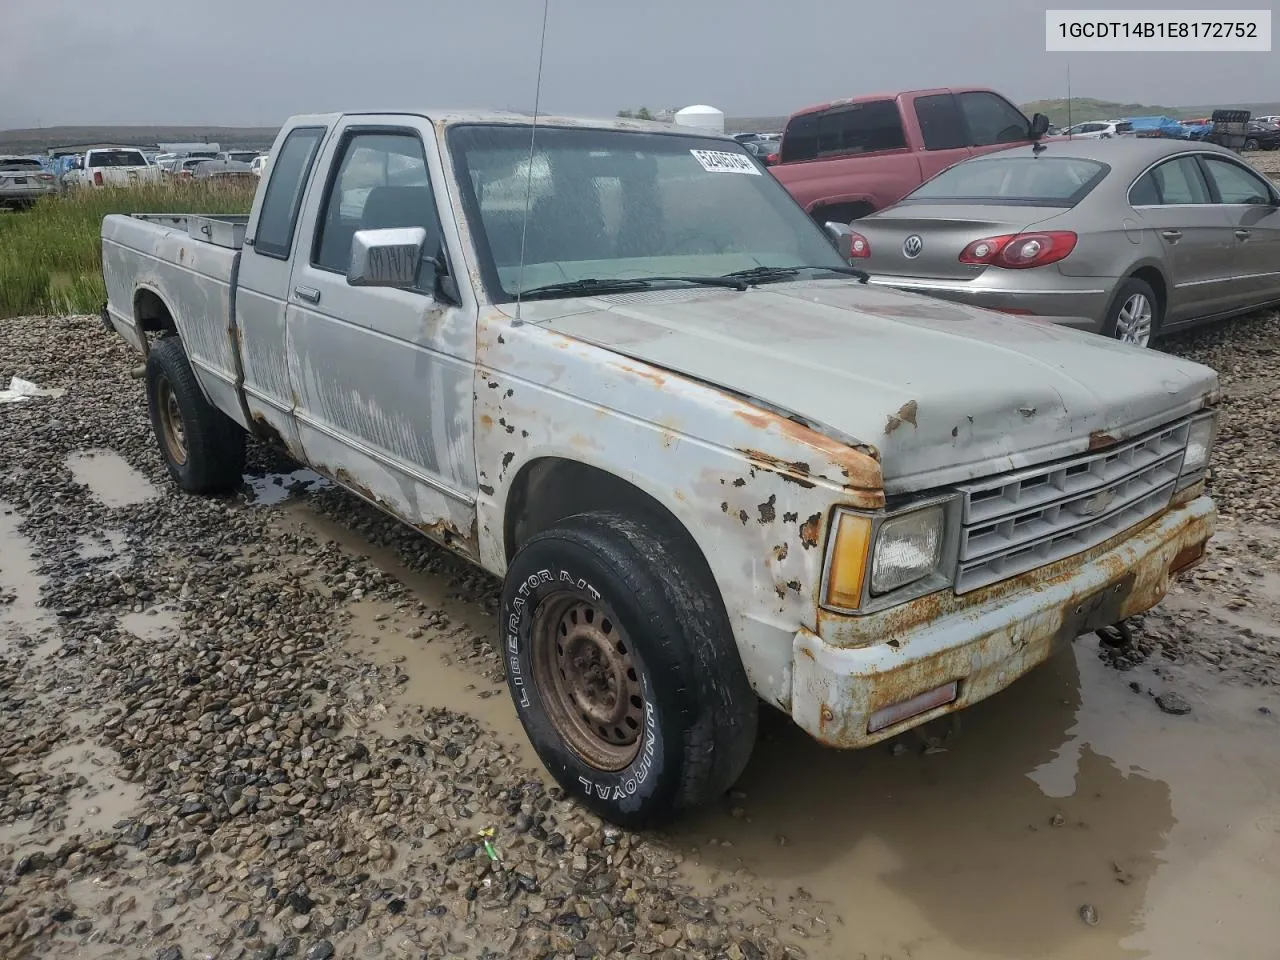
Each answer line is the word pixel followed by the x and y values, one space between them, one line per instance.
pixel 1068 790
pixel 273 488
pixel 24 624
pixel 421 656
pixel 110 478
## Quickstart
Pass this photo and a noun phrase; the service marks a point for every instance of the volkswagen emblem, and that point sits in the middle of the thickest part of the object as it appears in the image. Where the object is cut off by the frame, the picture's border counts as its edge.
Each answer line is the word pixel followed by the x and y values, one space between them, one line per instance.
pixel 912 246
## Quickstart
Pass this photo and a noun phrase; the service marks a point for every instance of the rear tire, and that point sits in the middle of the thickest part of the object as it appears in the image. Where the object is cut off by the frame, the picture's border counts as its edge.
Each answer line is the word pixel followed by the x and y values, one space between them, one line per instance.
pixel 1251 144
pixel 624 671
pixel 202 447
pixel 1135 314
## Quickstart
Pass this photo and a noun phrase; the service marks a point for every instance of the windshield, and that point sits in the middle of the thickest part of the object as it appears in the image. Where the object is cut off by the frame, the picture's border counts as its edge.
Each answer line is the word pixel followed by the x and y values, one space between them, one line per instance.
pixel 1032 181
pixel 616 204
pixel 17 163
pixel 117 158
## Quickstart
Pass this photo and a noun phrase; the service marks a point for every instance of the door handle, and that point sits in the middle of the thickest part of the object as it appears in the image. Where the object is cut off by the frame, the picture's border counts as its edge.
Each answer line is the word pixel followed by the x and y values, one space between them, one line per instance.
pixel 1173 236
pixel 1243 234
pixel 309 294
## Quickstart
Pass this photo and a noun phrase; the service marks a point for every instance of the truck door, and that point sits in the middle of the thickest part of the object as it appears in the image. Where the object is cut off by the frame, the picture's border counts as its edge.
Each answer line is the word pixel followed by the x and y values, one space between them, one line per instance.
pixel 262 287
pixel 385 376
pixel 943 139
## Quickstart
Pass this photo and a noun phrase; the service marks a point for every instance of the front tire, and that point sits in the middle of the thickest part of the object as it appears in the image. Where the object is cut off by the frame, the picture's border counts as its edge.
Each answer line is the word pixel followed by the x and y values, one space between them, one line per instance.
pixel 1251 144
pixel 623 669
pixel 1135 314
pixel 202 447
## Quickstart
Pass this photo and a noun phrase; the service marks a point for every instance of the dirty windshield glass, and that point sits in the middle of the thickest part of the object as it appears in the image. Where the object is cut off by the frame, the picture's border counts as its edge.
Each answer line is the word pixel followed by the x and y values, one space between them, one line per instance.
pixel 1035 181
pixel 623 205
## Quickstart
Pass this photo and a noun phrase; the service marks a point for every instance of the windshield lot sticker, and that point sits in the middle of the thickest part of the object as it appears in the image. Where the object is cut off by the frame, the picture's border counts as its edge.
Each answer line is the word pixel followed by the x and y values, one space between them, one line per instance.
pixel 719 161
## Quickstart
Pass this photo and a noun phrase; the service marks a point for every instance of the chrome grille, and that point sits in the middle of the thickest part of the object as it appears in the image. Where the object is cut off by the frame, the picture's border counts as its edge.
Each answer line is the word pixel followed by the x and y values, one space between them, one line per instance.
pixel 1019 521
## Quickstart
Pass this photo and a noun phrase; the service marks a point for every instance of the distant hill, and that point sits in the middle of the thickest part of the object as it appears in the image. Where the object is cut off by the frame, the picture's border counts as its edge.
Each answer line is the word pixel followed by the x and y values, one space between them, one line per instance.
pixel 38 140
pixel 1087 108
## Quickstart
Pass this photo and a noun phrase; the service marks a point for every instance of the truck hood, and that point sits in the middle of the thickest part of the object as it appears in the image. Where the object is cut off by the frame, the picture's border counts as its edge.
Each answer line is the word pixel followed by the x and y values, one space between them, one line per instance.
pixel 945 392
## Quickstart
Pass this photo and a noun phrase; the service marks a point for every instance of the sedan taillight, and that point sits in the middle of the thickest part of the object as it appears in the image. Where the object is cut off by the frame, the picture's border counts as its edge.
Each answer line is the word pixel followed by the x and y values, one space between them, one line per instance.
pixel 1017 251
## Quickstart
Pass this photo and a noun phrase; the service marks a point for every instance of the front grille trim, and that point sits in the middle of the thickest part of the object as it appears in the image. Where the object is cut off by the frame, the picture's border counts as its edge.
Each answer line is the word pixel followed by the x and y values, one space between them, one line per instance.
pixel 1018 521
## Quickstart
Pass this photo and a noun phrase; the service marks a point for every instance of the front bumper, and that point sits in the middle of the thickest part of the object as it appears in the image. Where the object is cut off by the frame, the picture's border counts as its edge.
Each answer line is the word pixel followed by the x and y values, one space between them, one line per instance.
pixel 985 645
pixel 1081 303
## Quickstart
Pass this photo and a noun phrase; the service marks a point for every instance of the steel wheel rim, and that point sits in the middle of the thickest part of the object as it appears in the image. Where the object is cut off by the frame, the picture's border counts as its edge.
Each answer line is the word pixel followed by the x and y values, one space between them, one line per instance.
pixel 1135 320
pixel 171 424
pixel 589 681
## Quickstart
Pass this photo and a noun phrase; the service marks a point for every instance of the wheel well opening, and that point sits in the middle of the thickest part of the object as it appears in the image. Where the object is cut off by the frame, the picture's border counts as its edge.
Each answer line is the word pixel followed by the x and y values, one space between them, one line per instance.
pixel 1152 277
pixel 549 490
pixel 151 312
pixel 841 212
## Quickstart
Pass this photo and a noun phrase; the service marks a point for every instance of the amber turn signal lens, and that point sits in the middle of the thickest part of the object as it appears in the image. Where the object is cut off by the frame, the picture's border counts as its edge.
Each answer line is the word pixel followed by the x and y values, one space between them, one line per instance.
pixel 848 561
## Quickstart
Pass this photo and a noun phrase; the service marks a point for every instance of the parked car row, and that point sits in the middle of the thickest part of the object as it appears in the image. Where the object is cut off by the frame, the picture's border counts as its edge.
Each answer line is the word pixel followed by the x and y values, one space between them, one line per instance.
pixel 1116 229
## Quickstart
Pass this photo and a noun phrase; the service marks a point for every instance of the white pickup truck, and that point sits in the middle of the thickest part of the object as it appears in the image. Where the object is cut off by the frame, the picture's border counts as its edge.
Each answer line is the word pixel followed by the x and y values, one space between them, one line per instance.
pixel 615 364
pixel 113 167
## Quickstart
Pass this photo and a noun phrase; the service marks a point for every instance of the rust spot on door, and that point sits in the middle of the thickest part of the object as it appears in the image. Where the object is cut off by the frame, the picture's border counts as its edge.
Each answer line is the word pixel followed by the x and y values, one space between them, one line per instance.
pixel 767 512
pixel 809 531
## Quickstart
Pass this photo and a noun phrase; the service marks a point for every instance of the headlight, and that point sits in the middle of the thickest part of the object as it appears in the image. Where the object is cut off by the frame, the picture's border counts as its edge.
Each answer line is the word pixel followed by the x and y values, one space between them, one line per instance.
pixel 908 548
pixel 1200 437
pixel 869 556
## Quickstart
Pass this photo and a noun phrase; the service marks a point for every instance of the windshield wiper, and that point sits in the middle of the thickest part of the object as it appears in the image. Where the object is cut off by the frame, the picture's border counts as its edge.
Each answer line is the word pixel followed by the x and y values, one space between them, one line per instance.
pixel 624 284
pixel 774 274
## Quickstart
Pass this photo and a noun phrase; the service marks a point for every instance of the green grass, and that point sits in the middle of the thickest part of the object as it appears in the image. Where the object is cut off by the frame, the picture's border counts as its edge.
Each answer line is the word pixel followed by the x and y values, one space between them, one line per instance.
pixel 51 253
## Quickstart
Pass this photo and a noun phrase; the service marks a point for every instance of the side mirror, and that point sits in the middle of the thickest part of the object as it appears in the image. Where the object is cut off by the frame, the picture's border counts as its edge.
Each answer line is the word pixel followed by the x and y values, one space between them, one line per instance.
pixel 386 258
pixel 1039 126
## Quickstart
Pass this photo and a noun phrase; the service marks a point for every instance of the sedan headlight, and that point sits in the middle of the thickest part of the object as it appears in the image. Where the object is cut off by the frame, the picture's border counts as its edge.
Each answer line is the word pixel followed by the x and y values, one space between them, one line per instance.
pixel 870 556
pixel 1200 437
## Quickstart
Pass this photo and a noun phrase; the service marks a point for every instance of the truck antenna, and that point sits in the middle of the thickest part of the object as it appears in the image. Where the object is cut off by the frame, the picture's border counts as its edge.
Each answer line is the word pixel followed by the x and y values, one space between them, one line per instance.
pixel 528 181
pixel 1069 100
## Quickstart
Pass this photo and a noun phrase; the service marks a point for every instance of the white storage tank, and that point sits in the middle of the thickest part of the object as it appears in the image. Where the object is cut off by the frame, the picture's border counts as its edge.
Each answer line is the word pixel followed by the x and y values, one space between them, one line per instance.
pixel 701 116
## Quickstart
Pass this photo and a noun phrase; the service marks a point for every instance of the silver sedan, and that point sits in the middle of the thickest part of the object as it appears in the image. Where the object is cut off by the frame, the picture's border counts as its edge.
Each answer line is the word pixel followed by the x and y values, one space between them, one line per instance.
pixel 1131 238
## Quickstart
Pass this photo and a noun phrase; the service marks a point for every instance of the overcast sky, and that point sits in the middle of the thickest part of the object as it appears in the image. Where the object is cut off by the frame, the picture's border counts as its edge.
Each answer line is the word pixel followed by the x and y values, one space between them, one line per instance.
pixel 257 61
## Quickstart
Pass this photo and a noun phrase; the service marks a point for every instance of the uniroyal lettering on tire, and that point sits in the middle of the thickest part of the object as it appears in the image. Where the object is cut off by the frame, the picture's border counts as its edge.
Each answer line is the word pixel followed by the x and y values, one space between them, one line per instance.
pixel 623 667
pixel 626 788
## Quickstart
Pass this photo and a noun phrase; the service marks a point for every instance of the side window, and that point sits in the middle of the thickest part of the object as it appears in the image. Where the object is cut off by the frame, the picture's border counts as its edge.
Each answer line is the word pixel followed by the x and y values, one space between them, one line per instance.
pixel 861 128
pixel 1236 184
pixel 941 125
pixel 844 131
pixel 992 119
pixel 800 139
pixel 280 204
pixel 382 182
pixel 1176 181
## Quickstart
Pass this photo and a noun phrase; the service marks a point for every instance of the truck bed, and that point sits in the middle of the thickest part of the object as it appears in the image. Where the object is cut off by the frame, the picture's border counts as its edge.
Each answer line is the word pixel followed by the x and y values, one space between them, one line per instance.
pixel 189 263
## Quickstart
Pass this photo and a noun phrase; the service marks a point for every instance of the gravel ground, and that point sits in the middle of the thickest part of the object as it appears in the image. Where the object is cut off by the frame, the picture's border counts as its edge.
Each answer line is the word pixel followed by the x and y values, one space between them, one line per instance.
pixel 192 763
pixel 1267 161
pixel 197 759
